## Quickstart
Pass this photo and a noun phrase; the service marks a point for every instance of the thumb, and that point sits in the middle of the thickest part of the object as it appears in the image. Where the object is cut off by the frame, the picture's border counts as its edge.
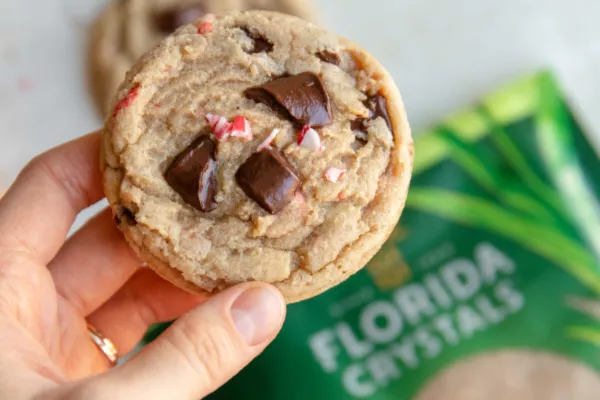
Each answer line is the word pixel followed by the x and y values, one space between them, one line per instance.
pixel 203 349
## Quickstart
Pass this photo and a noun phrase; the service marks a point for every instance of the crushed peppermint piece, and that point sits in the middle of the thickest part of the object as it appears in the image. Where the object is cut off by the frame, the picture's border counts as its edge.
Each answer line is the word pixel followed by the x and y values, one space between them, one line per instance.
pixel 219 125
pixel 157 105
pixel 205 27
pixel 128 99
pixel 309 138
pixel 334 174
pixel 241 128
pixel 341 196
pixel 268 140
pixel 305 128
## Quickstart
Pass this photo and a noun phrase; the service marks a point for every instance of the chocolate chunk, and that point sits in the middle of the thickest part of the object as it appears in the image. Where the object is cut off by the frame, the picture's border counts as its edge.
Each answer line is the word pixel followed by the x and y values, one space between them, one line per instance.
pixel 124 214
pixel 260 42
pixel 358 124
pixel 192 174
pixel 300 98
pixel 378 106
pixel 329 57
pixel 268 178
pixel 168 20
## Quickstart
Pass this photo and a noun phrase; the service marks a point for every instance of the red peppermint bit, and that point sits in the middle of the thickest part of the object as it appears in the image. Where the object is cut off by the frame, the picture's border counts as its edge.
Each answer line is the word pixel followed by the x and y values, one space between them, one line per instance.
pixel 157 105
pixel 268 140
pixel 334 174
pixel 127 100
pixel 224 129
pixel 219 125
pixel 302 133
pixel 205 27
pixel 241 128
pixel 341 197
pixel 309 138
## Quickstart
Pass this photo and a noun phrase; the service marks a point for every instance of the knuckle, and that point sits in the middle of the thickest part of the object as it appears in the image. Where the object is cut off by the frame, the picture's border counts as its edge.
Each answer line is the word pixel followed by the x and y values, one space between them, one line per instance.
pixel 34 164
pixel 11 258
pixel 59 169
pixel 41 165
pixel 75 298
pixel 145 308
pixel 206 350
pixel 18 270
pixel 91 390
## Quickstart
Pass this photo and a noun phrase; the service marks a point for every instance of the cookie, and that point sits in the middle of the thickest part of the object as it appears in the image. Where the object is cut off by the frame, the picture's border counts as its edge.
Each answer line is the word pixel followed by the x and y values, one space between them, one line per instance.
pixel 128 28
pixel 257 147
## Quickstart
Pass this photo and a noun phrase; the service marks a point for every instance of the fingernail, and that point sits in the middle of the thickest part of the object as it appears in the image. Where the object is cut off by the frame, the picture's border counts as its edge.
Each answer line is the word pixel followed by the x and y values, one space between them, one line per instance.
pixel 257 314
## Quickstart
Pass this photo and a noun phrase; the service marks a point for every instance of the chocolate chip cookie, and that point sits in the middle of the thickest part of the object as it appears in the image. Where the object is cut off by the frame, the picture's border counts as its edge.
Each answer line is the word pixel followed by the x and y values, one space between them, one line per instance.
pixel 256 146
pixel 128 28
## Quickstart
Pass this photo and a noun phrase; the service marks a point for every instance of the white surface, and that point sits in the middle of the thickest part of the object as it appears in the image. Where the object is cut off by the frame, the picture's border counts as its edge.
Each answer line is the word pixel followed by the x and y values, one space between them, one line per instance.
pixel 443 54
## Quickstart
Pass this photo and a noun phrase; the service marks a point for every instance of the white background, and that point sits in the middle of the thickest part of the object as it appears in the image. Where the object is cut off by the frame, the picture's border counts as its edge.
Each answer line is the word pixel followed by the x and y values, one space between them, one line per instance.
pixel 443 54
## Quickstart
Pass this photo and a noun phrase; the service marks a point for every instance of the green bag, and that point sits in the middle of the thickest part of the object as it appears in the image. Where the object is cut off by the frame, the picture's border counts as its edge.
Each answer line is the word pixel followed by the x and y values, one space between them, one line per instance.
pixel 488 288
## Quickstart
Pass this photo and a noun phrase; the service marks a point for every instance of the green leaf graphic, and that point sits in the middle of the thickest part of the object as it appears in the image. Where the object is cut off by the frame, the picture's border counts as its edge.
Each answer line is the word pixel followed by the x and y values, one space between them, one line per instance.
pixel 560 157
pixel 468 159
pixel 584 333
pixel 514 157
pixel 541 239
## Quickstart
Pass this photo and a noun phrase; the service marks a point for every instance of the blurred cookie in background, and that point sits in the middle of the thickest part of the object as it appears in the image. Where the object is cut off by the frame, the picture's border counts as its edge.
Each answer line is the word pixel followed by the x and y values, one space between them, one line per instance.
pixel 126 29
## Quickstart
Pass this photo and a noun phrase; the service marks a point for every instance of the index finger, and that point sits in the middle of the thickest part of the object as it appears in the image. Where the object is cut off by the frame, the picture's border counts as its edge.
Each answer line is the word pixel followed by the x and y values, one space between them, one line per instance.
pixel 38 210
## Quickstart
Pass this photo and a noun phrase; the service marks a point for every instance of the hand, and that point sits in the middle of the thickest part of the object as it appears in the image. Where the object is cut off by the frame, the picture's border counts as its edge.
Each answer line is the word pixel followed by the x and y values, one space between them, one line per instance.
pixel 50 287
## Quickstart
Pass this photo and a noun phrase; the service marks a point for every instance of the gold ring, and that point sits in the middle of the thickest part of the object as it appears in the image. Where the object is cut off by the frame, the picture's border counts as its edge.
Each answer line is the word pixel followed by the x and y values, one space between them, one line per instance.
pixel 106 346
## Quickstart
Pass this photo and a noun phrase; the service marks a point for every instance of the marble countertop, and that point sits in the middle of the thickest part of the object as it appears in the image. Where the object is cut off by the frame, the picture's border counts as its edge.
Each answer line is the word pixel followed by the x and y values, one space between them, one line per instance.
pixel 443 54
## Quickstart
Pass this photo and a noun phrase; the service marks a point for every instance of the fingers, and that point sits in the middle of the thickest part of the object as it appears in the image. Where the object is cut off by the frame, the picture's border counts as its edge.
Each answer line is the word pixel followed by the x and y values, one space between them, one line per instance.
pixel 93 264
pixel 144 301
pixel 202 350
pixel 40 207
